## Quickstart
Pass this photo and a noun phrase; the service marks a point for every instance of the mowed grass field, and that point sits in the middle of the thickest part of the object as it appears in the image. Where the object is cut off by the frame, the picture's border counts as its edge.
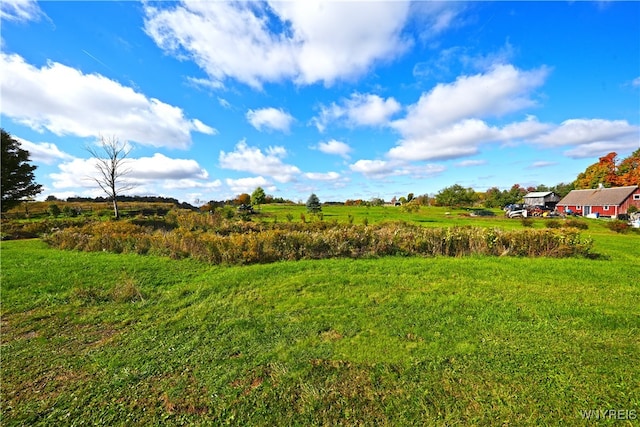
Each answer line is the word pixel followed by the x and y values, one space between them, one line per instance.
pixel 123 339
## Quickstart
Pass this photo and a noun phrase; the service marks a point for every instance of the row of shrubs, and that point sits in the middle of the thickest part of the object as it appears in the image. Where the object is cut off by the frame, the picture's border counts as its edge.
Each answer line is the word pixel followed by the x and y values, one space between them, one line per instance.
pixel 570 223
pixel 262 243
pixel 13 230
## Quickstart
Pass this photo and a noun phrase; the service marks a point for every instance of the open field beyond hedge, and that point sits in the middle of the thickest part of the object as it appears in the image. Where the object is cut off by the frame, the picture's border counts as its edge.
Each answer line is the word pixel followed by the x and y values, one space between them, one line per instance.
pixel 125 339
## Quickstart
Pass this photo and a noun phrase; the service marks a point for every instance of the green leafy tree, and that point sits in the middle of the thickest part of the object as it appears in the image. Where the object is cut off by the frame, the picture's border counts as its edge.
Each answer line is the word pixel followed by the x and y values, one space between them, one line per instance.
pixel 313 204
pixel 258 196
pixel 562 189
pixel 18 181
pixel 493 198
pixel 515 194
pixel 456 195
pixel 376 201
pixel 422 200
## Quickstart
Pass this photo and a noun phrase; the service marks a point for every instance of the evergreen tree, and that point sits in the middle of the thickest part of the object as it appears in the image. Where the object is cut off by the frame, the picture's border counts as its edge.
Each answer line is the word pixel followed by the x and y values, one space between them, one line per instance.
pixel 313 204
pixel 18 182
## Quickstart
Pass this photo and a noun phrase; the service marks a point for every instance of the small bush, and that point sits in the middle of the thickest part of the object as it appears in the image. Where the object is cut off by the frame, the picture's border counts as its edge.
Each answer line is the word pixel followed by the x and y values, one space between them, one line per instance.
pixel 618 226
pixel 54 210
pixel 527 222
pixel 575 223
pixel 126 290
pixel 552 224
pixel 89 295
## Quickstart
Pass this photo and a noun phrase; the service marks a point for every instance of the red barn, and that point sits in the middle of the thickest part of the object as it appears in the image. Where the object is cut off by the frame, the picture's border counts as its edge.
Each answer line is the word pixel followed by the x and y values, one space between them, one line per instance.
pixel 601 201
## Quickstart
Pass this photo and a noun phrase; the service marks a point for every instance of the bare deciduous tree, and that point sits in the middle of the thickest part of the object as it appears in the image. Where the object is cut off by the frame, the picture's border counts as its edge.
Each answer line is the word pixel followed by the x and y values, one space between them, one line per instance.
pixel 111 157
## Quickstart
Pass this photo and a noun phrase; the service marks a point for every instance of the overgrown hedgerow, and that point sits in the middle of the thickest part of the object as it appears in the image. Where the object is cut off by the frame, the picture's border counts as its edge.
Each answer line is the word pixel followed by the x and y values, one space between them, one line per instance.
pixel 31 229
pixel 225 242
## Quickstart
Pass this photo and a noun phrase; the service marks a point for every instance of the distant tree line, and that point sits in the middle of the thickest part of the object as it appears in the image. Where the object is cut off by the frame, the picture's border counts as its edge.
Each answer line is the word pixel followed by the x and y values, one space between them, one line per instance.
pixel 18 183
pixel 139 199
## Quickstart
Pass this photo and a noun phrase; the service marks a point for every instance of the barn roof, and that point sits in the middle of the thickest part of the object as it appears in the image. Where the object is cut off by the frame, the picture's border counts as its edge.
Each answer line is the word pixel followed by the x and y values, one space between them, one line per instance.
pixel 536 194
pixel 598 196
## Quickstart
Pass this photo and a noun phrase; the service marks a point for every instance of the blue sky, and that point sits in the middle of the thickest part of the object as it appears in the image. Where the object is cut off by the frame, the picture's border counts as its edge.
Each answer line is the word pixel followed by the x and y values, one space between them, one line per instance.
pixel 343 99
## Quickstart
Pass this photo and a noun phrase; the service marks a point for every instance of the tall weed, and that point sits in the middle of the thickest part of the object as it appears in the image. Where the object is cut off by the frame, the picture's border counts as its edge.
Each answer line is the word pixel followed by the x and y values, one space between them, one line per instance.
pixel 251 242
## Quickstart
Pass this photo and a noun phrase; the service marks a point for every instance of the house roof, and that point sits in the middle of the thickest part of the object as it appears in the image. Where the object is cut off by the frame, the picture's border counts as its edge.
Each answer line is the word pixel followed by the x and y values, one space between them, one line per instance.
pixel 538 194
pixel 598 196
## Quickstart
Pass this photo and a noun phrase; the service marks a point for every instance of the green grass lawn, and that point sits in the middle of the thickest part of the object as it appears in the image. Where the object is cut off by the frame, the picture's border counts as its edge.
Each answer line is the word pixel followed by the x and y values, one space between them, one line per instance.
pixel 106 339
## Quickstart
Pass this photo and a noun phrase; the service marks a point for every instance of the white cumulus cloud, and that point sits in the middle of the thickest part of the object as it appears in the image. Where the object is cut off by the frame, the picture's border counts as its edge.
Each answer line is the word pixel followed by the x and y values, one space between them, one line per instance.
pixel 148 175
pixel 335 147
pixel 248 185
pixel 160 166
pixel 502 90
pixel 374 168
pixel 43 152
pixel 315 41
pixel 446 122
pixel 319 176
pixel 591 137
pixel 66 101
pixel 358 110
pixel 587 131
pixel 251 159
pixel 270 119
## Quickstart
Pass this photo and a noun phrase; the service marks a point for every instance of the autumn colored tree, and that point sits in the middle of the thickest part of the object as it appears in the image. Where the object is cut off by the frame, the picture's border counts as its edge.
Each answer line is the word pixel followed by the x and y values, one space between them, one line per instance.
pixel 243 199
pixel 629 170
pixel 611 173
pixel 603 172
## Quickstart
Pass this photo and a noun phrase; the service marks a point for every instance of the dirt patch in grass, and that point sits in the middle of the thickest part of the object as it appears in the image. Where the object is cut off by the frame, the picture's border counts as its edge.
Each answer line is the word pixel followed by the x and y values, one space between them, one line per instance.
pixel 333 388
pixel 330 335
pixel 47 386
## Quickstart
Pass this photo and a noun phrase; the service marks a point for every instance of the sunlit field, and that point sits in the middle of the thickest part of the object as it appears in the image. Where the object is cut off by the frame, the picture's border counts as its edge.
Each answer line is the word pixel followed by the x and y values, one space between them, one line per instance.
pixel 127 339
